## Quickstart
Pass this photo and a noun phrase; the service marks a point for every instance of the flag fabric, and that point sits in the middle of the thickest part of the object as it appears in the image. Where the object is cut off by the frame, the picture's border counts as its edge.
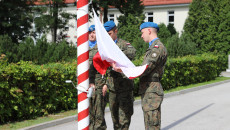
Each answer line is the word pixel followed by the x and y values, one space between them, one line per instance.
pixel 111 53
pixel 100 65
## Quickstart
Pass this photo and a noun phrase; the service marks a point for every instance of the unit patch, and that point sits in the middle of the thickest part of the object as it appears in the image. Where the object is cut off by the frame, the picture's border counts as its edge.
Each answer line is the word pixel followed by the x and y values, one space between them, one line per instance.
pixel 154 55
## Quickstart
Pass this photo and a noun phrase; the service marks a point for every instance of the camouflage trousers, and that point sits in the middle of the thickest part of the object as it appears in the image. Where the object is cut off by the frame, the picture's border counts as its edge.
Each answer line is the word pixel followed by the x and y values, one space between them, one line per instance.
pixel 121 107
pixel 151 105
pixel 97 110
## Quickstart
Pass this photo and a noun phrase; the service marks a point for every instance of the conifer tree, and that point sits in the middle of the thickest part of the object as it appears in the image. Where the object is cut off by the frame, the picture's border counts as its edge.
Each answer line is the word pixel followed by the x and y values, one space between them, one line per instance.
pixel 208 25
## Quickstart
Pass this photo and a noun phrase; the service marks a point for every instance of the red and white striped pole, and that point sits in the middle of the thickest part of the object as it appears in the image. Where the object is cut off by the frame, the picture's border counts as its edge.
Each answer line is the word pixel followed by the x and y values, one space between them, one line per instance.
pixel 83 64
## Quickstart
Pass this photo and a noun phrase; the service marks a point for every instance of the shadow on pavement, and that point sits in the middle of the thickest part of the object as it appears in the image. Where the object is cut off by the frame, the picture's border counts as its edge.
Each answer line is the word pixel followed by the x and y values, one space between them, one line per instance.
pixel 185 118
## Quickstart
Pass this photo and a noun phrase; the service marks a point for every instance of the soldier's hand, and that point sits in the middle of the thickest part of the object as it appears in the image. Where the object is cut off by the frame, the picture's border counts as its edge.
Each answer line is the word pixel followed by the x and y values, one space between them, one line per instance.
pixel 92 85
pixel 115 68
pixel 104 90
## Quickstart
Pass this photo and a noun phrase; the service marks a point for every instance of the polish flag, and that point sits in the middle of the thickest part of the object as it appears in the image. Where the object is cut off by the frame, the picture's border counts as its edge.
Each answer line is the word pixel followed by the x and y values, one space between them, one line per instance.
pixel 109 52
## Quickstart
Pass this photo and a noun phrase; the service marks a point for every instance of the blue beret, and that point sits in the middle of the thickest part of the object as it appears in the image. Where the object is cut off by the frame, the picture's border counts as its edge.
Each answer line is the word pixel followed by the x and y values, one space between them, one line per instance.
pixel 109 25
pixel 91 28
pixel 149 25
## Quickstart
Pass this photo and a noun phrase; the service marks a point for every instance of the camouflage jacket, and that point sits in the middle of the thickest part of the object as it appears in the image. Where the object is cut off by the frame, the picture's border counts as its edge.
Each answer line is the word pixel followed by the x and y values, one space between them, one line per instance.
pixel 119 82
pixel 95 77
pixel 155 57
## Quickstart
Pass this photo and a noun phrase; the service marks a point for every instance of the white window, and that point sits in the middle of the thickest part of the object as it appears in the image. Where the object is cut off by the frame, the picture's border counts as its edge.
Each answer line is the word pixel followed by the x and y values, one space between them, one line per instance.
pixel 111 17
pixel 150 16
pixel 170 17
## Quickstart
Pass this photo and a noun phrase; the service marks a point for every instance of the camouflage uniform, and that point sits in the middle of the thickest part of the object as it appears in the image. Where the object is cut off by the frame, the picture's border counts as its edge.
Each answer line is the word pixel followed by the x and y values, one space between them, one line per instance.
pixel 97 101
pixel 121 92
pixel 150 87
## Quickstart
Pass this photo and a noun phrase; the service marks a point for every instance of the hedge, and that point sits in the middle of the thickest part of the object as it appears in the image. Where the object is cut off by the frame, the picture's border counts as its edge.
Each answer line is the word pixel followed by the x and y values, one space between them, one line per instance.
pixel 192 69
pixel 189 70
pixel 28 91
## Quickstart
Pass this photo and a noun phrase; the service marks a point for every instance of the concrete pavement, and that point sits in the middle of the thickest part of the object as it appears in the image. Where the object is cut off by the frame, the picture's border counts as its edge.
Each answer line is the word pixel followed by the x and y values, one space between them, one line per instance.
pixel 187 109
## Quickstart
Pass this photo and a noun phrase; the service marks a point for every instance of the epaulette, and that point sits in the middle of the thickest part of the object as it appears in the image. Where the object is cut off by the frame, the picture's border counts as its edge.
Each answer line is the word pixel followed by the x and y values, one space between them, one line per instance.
pixel 156 46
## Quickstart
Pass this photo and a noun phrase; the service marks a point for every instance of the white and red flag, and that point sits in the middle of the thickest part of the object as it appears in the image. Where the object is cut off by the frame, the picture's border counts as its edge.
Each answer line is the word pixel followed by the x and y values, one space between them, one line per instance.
pixel 109 52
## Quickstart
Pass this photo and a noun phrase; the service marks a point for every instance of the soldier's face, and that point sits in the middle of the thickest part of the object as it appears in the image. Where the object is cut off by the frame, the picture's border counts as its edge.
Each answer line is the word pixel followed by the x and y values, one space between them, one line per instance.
pixel 92 36
pixel 145 34
pixel 113 34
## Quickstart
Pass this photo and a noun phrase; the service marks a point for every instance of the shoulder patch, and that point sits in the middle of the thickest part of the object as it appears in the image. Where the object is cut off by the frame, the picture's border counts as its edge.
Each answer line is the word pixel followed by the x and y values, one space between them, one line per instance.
pixel 156 46
pixel 154 55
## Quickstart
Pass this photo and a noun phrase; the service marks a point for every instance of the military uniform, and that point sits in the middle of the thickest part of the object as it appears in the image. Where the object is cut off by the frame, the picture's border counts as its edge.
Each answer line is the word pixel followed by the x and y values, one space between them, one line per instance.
pixel 121 92
pixel 97 101
pixel 150 87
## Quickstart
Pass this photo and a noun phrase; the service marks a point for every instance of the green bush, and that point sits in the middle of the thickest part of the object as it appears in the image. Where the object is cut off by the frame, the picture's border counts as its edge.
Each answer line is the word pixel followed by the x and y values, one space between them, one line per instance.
pixel 163 33
pixel 41 53
pixel 188 70
pixel 208 25
pixel 180 46
pixel 28 90
pixel 192 69
pixel 130 31
pixel 8 48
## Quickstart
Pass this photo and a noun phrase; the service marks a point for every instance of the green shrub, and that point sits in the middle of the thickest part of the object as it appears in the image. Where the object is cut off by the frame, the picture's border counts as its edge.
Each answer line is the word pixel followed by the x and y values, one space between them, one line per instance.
pixel 130 31
pixel 180 46
pixel 192 69
pixel 41 53
pixel 28 90
pixel 188 70
pixel 163 33
pixel 8 48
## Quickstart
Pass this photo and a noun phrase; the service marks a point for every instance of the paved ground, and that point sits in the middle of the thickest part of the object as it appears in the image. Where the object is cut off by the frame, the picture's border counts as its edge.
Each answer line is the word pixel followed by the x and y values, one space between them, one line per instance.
pixel 206 109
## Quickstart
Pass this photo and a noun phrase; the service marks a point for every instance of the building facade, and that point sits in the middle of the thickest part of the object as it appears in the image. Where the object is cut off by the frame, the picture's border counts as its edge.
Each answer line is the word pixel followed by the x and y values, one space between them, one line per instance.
pixel 158 11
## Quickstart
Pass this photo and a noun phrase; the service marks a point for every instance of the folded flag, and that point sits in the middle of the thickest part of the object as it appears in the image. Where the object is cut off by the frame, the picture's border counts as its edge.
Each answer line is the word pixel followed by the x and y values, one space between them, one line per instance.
pixel 111 53
pixel 99 65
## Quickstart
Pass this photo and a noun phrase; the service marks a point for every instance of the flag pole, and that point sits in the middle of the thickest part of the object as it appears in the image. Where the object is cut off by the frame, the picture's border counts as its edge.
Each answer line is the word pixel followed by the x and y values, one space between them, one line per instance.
pixel 82 64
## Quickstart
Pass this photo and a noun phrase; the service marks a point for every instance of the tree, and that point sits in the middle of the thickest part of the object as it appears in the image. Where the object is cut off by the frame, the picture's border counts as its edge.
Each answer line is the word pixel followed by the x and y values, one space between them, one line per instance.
pixel 52 17
pixel 208 25
pixel 101 6
pixel 171 29
pixel 134 7
pixel 163 33
pixel 131 33
pixel 15 17
pixel 8 47
pixel 180 46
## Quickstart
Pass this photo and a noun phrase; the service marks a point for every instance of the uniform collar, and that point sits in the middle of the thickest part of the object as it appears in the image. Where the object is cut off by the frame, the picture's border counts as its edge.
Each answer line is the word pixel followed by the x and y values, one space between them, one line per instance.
pixel 151 42
pixel 115 41
pixel 92 43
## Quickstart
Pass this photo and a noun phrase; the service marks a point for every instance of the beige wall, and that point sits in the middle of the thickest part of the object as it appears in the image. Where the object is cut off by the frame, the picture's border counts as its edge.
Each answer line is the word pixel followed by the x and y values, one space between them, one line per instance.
pixel 160 14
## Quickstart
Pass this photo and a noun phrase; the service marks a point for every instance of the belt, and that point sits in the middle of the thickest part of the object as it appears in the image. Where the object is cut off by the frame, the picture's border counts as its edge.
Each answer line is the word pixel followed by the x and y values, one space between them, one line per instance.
pixel 152 79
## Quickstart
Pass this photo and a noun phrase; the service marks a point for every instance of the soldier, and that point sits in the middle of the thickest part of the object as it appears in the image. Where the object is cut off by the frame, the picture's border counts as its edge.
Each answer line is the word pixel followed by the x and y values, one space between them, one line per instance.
pixel 97 81
pixel 120 87
pixel 150 87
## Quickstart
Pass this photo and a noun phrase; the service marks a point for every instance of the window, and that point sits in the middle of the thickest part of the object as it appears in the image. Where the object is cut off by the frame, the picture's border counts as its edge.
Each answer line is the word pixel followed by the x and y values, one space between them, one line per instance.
pixel 171 17
pixel 150 16
pixel 111 17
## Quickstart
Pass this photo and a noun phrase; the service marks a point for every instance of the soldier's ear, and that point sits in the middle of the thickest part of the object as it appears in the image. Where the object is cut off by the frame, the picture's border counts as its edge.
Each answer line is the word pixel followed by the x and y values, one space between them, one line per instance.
pixel 115 30
pixel 149 31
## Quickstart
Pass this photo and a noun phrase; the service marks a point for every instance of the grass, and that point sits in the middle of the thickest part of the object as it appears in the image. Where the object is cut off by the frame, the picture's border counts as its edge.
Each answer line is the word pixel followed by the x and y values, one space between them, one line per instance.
pixel 26 123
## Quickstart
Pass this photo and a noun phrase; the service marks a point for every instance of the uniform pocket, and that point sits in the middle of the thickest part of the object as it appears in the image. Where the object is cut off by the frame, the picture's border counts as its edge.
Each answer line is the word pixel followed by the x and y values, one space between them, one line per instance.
pixel 151 101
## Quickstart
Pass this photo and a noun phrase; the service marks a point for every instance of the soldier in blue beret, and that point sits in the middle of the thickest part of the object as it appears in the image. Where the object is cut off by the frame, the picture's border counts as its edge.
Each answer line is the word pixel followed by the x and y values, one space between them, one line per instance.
pixel 150 87
pixel 120 87
pixel 99 99
pixel 92 36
